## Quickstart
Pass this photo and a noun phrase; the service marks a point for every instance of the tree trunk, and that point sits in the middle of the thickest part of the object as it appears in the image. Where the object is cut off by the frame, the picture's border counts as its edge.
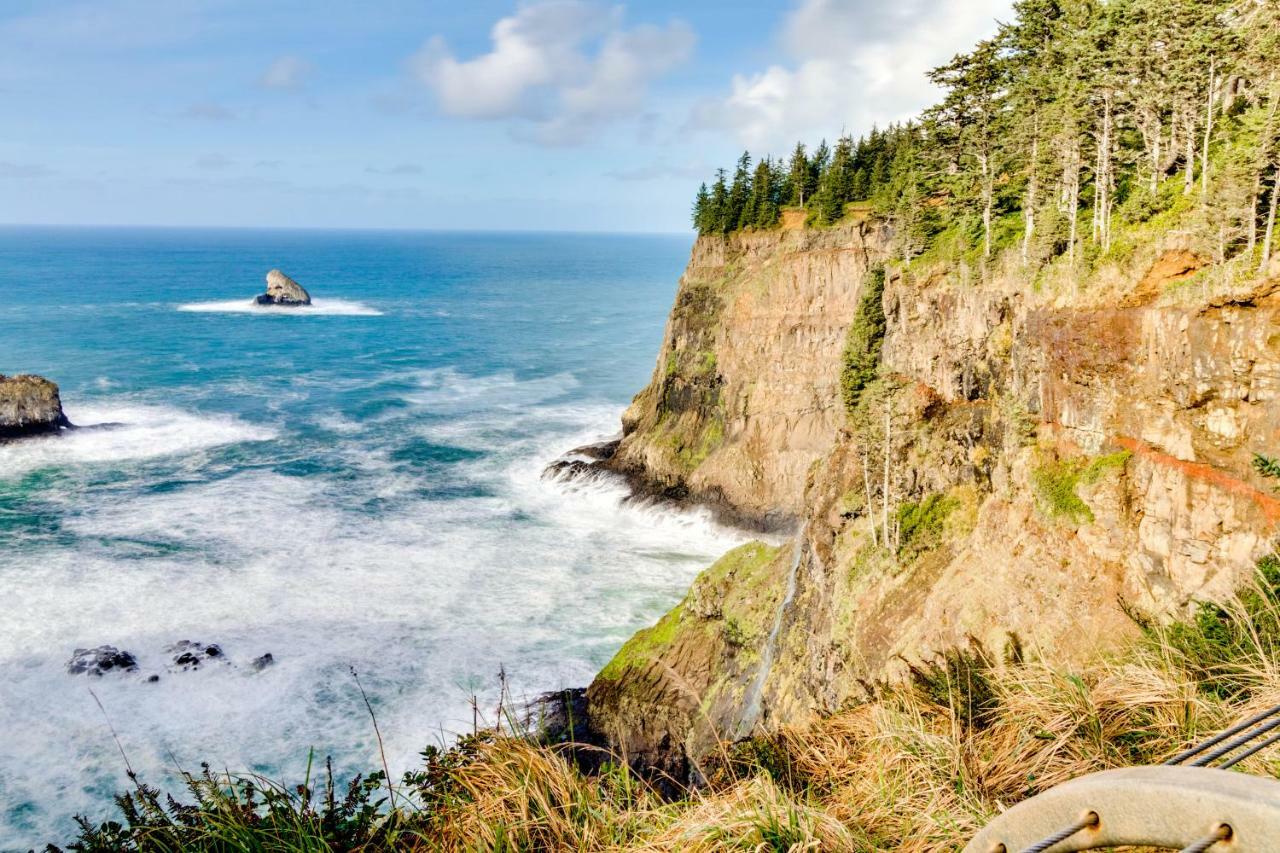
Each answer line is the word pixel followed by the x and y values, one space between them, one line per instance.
pixel 871 507
pixel 1264 159
pixel 1073 200
pixel 1208 132
pixel 888 444
pixel 1188 179
pixel 1102 179
pixel 1271 222
pixel 1033 190
pixel 988 191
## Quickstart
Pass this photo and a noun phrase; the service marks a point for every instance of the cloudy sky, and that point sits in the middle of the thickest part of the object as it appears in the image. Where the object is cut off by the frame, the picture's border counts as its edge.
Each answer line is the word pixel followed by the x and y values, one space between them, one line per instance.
pixel 543 114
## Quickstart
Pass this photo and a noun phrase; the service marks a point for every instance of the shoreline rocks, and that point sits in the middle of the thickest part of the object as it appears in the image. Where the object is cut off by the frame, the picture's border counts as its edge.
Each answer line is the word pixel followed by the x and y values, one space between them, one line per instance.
pixel 282 290
pixel 101 660
pixel 182 656
pixel 30 405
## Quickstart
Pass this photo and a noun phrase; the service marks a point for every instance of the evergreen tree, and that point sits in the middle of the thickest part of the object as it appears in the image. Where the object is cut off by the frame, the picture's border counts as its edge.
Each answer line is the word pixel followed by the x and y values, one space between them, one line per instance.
pixel 702 210
pixel 718 211
pixel 739 194
pixel 799 188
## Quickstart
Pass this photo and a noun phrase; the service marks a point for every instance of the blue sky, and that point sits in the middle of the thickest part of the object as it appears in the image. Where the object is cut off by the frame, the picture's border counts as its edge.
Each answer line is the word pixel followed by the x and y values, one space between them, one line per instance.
pixel 545 114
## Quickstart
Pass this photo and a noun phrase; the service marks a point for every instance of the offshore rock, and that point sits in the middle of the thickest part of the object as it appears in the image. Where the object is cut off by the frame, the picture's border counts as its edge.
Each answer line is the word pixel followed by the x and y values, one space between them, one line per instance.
pixel 282 290
pixel 189 655
pixel 29 405
pixel 583 461
pixel 101 660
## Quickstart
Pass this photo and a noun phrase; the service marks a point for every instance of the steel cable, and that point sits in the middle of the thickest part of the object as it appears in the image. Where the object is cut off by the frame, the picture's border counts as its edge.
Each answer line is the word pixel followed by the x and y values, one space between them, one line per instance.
pixel 1219 738
pixel 1236 759
pixel 1233 745
pixel 1089 820
pixel 1222 833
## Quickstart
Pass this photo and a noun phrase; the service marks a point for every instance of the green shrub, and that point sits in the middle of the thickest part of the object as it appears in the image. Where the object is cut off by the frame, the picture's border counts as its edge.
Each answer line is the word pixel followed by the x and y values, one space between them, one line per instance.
pixel 920 525
pixel 1056 481
pixel 1224 646
pixel 865 340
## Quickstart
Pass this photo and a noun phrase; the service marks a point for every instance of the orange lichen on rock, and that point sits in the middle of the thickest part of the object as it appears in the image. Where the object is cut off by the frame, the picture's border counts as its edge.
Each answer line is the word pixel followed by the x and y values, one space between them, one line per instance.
pixel 1269 504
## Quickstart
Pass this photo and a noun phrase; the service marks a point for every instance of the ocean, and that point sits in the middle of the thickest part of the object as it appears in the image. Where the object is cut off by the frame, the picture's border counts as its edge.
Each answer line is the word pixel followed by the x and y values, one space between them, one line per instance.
pixel 354 485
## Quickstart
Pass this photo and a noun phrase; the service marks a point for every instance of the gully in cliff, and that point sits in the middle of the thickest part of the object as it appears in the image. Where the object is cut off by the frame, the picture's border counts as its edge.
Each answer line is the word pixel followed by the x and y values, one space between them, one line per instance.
pixel 30 405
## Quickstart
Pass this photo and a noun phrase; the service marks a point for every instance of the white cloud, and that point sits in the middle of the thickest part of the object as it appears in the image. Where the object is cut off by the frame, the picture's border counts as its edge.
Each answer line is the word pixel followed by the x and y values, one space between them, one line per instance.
pixel 286 72
pixel 854 64
pixel 562 67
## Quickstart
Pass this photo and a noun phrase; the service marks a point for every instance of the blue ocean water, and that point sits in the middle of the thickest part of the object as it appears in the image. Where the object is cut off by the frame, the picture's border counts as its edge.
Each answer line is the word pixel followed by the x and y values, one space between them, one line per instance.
pixel 352 485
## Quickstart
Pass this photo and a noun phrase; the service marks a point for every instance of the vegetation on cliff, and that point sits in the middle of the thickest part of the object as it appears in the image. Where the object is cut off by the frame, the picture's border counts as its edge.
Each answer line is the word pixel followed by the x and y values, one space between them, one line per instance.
pixel 921 767
pixel 1078 120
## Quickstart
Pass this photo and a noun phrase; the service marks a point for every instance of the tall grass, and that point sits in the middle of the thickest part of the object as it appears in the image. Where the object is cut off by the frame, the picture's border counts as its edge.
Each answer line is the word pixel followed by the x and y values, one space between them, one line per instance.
pixel 920 768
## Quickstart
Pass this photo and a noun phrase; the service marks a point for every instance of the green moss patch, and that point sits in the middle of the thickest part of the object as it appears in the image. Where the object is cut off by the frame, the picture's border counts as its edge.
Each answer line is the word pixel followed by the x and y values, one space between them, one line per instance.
pixel 646 646
pixel 1056 482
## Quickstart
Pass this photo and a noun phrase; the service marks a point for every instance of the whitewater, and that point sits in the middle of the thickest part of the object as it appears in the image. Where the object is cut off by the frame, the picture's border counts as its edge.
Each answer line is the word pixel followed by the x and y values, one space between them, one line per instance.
pixel 359 488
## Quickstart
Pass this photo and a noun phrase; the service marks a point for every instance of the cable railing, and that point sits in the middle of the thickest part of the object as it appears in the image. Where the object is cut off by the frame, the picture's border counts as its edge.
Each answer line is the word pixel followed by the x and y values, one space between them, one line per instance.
pixel 1190 803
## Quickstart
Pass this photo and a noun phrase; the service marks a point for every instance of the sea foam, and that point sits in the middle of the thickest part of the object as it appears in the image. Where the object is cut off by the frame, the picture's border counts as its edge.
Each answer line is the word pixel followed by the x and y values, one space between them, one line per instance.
pixel 122 432
pixel 318 307
pixel 425 595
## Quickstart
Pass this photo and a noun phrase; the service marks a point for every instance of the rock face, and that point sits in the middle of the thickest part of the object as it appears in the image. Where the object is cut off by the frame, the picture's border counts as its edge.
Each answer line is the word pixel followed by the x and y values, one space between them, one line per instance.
pixel 746 393
pixel 282 290
pixel 1053 461
pixel 29 405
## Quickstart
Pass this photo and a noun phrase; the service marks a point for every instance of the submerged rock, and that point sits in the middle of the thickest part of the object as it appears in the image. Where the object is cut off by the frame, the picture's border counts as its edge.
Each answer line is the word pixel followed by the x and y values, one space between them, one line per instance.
pixel 583 461
pixel 262 662
pixel 188 655
pixel 282 290
pixel 101 660
pixel 30 405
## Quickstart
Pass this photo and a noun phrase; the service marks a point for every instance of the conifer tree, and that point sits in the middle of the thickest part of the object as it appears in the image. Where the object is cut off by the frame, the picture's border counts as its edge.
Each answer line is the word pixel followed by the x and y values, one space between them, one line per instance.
pixel 702 210
pixel 739 193
pixel 799 178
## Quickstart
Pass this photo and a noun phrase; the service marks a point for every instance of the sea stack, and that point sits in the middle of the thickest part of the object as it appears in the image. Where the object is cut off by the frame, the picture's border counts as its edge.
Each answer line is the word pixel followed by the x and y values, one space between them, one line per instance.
pixel 282 290
pixel 29 405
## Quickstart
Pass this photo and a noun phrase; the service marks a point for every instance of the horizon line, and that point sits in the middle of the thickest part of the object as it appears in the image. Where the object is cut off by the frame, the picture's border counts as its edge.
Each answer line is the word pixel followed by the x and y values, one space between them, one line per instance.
pixel 362 228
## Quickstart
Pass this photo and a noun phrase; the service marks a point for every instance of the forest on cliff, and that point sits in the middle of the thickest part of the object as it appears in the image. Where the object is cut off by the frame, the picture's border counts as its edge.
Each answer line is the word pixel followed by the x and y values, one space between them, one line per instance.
pixel 1078 119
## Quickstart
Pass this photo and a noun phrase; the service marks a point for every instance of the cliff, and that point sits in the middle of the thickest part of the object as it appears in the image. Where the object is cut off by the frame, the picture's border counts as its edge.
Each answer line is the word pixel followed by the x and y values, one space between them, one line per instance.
pixel 1033 469
pixel 745 396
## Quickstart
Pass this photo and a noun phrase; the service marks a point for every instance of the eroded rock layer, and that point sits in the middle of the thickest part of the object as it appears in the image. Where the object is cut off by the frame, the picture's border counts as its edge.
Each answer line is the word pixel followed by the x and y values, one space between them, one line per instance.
pixel 1027 474
pixel 745 396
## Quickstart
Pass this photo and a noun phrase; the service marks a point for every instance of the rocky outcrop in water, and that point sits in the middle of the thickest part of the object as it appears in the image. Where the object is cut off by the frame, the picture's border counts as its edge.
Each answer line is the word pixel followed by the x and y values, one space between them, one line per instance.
pixel 30 405
pixel 101 660
pixel 182 656
pixel 282 290
pixel 189 655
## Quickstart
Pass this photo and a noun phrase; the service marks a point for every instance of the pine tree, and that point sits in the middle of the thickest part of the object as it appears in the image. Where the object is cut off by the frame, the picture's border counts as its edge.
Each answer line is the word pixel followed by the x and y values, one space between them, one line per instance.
pixel 718 212
pixel 799 178
pixel 739 194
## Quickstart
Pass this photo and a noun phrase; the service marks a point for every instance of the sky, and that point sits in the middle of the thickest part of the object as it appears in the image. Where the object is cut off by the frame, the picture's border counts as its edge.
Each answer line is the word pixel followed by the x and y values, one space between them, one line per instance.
pixel 569 115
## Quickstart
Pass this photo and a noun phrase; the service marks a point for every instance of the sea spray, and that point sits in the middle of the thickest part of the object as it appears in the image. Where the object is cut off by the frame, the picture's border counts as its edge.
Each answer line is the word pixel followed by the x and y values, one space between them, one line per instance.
pixel 337 491
pixel 754 696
